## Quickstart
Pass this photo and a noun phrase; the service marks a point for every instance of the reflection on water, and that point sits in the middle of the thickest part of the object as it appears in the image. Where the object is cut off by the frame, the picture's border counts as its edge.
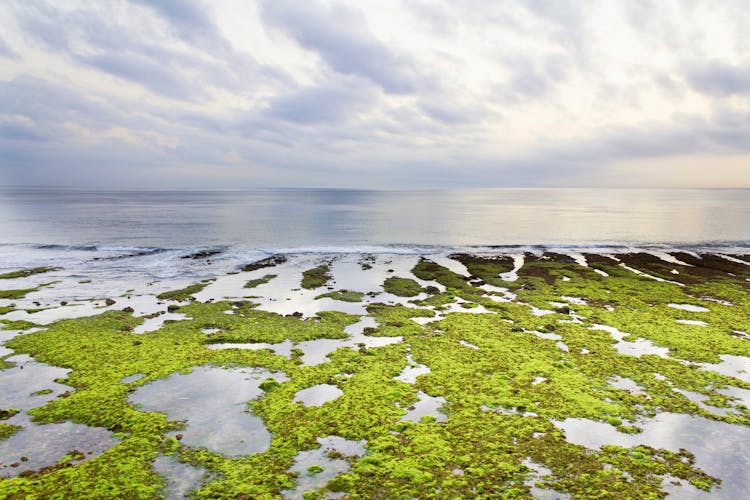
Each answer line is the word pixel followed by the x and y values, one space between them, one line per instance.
pixel 181 477
pixel 213 401
pixel 28 385
pixel 293 218
pixel 310 479
pixel 720 449
pixel 317 395
pixel 426 406
pixel 36 446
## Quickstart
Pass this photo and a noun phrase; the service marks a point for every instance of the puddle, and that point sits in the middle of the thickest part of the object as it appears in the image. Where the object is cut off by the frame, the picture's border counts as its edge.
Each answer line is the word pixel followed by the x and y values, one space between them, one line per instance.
pixel 546 336
pixel 732 366
pixel 18 384
pixel 578 301
pixel 700 400
pixel 682 490
pixel 451 264
pixel 720 449
pixel 281 348
pixel 460 305
pixel 411 371
pixel 308 480
pixel 426 406
pixel 181 477
pixel 131 378
pixel 649 276
pixel 213 401
pixel 666 257
pixel 317 395
pixel 538 472
pixel 44 445
pixel 688 307
pixel 638 348
pixel 741 395
pixel 41 445
pixel 508 411
pixel 512 275
pixel 317 351
pixel 718 301
pixel 539 312
pixel 209 331
pixel 626 384
pixel 153 324
pixel 579 259
pixel 504 294
pixel 733 259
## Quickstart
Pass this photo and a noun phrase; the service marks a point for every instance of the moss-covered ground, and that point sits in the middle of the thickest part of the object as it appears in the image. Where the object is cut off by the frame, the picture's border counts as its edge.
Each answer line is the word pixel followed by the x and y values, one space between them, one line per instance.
pixel 23 273
pixel 503 392
pixel 316 277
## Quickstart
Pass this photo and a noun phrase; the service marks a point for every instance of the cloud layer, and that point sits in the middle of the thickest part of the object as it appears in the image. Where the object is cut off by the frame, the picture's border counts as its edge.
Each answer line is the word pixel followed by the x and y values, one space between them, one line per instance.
pixel 388 94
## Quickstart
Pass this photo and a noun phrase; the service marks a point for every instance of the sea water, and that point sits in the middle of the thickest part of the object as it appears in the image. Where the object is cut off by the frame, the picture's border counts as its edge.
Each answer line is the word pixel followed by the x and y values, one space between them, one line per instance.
pixel 149 231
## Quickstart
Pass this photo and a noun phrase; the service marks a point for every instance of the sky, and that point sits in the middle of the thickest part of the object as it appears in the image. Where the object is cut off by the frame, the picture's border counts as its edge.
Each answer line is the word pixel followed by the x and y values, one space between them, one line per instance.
pixel 374 94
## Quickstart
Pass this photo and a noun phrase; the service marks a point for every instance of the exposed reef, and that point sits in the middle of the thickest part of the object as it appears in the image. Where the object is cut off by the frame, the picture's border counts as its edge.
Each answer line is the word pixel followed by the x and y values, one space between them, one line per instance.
pixel 471 379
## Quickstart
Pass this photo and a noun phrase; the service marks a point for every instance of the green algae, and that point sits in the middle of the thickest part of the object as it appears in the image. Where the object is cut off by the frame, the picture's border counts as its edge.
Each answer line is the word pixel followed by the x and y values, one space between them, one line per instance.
pixel 8 413
pixel 499 415
pixel 272 261
pixel 402 287
pixel 316 277
pixel 315 469
pixel 20 324
pixel 344 295
pixel 183 293
pixel 260 281
pixel 7 309
pixel 7 430
pixel 17 293
pixel 23 273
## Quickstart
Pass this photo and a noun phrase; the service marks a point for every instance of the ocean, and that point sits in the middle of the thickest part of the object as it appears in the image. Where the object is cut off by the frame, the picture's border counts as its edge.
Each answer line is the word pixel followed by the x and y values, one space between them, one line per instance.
pixel 306 218
pixel 149 234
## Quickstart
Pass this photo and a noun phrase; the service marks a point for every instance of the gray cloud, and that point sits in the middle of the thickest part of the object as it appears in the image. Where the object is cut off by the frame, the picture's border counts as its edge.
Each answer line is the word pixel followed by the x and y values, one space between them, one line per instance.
pixel 720 78
pixel 329 103
pixel 532 78
pixel 6 51
pixel 190 21
pixel 100 40
pixel 358 111
pixel 156 77
pixel 342 38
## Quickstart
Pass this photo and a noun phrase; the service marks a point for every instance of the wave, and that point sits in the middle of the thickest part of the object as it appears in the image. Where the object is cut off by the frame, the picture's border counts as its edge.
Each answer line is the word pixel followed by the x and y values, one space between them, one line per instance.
pixel 242 252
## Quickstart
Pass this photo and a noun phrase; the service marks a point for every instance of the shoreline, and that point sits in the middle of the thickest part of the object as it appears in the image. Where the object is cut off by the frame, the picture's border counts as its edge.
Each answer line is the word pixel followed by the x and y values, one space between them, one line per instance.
pixel 367 355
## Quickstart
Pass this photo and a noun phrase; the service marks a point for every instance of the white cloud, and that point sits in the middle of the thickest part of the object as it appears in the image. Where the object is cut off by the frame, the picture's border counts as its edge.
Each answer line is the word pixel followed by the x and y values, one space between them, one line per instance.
pixel 387 93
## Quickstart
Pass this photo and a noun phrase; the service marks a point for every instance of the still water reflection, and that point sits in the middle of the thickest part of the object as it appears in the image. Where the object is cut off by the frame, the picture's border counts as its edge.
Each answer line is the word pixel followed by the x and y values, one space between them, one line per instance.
pixel 298 218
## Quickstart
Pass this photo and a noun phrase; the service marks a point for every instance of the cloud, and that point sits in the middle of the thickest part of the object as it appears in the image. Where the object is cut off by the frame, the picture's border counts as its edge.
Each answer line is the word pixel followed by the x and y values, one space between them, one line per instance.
pixel 134 48
pixel 191 21
pixel 345 93
pixel 532 78
pixel 328 103
pixel 6 51
pixel 340 35
pixel 720 78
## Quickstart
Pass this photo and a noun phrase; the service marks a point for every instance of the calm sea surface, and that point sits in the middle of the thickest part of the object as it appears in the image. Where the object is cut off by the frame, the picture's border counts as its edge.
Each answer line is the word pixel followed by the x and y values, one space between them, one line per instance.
pixel 350 219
